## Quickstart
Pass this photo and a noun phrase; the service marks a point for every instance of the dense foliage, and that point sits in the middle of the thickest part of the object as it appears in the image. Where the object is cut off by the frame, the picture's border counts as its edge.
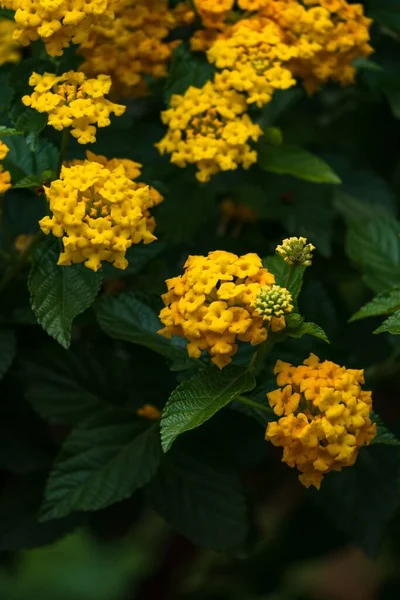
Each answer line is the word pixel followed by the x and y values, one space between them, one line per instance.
pixel 199 284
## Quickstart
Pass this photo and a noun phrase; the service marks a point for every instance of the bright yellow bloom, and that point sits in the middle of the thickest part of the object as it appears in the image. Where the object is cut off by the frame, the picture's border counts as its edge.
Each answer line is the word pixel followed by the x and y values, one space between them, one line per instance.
pixel 213 12
pixel 296 251
pixel 211 304
pixel 9 49
pixel 5 176
pixel 58 22
pixel 72 100
pixel 252 62
pixel 327 417
pixel 209 128
pixel 133 45
pixel 99 213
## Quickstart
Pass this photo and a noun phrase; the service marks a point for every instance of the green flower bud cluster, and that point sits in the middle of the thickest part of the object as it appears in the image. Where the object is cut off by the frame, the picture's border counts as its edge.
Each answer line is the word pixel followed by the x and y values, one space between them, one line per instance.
pixel 296 251
pixel 273 301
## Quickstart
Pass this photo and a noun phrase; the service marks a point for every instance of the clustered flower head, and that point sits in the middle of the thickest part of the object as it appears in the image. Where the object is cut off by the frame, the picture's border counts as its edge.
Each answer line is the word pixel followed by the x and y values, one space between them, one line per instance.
pixel 274 301
pixel 99 213
pixel 5 176
pixel 72 100
pixel 296 251
pixel 212 304
pixel 252 62
pixel 325 417
pixel 58 22
pixel 133 46
pixel 9 49
pixel 211 129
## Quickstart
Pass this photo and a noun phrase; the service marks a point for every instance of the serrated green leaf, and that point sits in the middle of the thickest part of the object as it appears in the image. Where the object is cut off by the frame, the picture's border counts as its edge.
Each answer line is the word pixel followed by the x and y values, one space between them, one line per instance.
pixel 383 434
pixel 205 505
pixel 28 183
pixel 374 245
pixel 291 160
pixel 103 461
pixel 284 273
pixel 382 304
pixel 362 499
pixel 27 119
pixel 391 325
pixel 296 327
pixel 8 349
pixel 78 380
pixel 196 400
pixel 124 317
pixel 59 294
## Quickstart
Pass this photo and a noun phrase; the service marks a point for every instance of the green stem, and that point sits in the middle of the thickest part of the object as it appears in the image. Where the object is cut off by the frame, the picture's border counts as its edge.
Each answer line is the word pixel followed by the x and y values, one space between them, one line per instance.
pixel 290 276
pixel 19 264
pixel 258 359
pixel 63 150
pixel 252 403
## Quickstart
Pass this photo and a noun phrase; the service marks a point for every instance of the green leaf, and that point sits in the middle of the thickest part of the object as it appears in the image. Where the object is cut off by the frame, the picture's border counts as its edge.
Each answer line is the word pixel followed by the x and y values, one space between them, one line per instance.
pixel 391 325
pixel 196 400
pixel 123 317
pixel 59 294
pixel 9 131
pixel 362 499
pixel 283 273
pixel 296 327
pixel 104 460
pixel 138 256
pixel 291 160
pixel 186 70
pixel 22 163
pixel 19 508
pixel 8 349
pixel 374 245
pixel 27 119
pixel 383 434
pixel 78 381
pixel 382 304
pixel 205 505
pixel 27 183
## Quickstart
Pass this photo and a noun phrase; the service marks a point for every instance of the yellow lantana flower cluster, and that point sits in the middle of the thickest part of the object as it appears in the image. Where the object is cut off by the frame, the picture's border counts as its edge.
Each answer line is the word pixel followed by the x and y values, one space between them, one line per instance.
pixel 58 22
pixel 5 177
pixel 211 304
pixel 9 49
pixel 211 129
pixel 99 213
pixel 133 45
pixel 72 100
pixel 325 417
pixel 252 62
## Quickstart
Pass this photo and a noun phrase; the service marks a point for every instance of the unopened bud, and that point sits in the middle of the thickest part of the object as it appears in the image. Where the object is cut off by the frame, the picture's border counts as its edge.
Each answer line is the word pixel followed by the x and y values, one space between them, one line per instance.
pixel 296 251
pixel 274 301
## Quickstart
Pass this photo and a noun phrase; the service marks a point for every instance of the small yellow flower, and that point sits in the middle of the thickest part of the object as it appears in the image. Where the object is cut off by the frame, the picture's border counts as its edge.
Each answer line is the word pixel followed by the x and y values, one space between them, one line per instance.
pixel 72 100
pixel 149 411
pixel 327 417
pixel 5 176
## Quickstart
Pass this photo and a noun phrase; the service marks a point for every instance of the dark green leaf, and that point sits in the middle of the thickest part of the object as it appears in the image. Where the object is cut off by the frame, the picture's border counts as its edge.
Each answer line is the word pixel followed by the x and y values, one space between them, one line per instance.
pixel 291 160
pixel 138 256
pixel 285 273
pixel 382 304
pixel 59 294
pixel 104 460
pixel 296 327
pixel 205 505
pixel 198 399
pixel 125 318
pixel 64 387
pixel 362 499
pixel 391 325
pixel 383 434
pixel 19 509
pixel 186 70
pixel 9 131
